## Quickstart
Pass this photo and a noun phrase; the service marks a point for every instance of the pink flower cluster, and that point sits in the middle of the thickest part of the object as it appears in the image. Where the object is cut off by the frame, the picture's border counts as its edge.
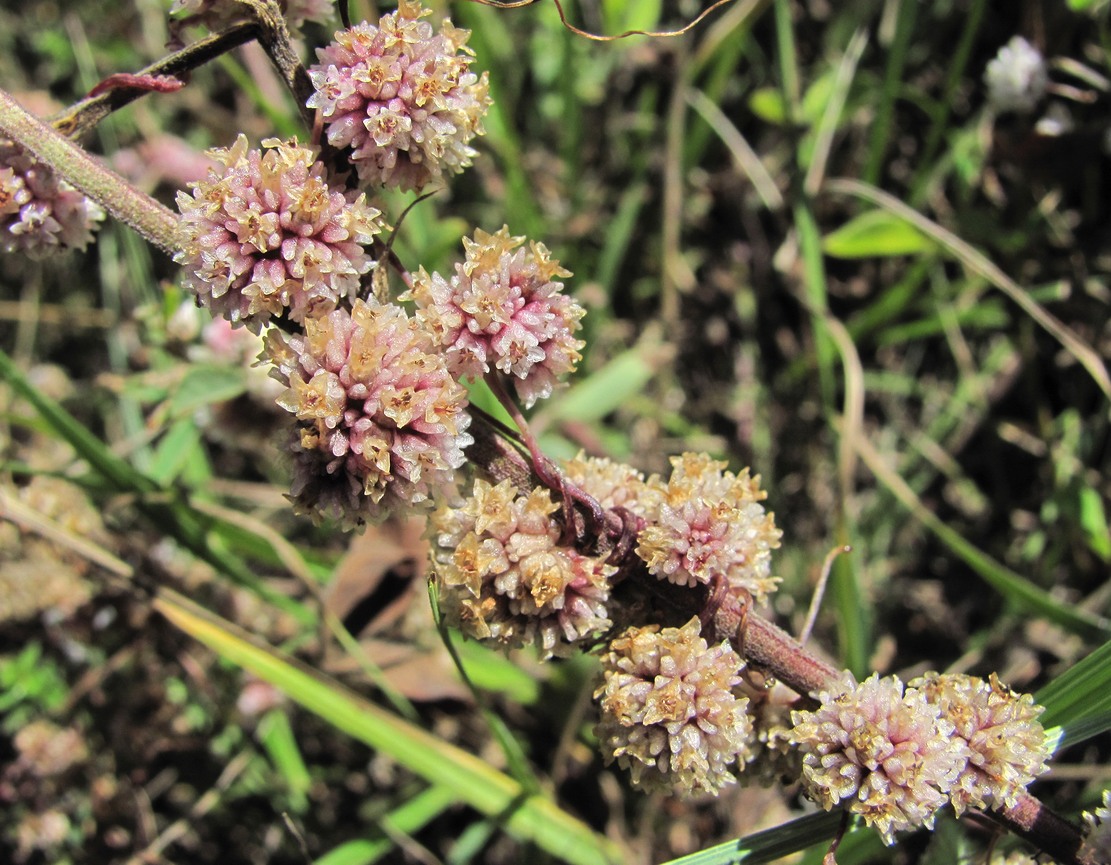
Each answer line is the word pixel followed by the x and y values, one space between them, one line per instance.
pixel 710 522
pixel 669 714
pixel 503 309
pixel 503 576
pixel 884 752
pixel 896 755
pixel 39 213
pixel 266 234
pixel 1005 744
pixel 401 97
pixel 382 424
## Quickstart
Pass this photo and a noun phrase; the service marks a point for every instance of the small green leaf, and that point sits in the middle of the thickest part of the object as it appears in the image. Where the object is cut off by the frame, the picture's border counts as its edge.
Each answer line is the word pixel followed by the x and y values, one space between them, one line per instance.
pixel 1093 519
pixel 767 104
pixel 276 736
pixel 875 234
pixel 204 385
pixel 174 451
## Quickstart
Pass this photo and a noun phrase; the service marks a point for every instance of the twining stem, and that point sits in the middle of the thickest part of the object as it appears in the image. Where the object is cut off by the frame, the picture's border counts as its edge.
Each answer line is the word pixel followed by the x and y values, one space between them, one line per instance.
pixel 130 205
pixel 81 117
pixel 274 37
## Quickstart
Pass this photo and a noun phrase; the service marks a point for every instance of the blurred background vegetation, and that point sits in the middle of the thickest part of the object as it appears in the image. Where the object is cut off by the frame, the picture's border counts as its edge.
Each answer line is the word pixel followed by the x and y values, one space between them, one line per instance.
pixel 806 245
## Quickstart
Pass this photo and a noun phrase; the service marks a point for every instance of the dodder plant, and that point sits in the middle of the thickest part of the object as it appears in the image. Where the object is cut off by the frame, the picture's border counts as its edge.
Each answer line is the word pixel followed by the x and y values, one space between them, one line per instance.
pixel 659 577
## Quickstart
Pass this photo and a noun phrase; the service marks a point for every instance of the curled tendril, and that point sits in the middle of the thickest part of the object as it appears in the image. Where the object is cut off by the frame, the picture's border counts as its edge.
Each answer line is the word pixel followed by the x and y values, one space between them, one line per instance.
pixel 517 4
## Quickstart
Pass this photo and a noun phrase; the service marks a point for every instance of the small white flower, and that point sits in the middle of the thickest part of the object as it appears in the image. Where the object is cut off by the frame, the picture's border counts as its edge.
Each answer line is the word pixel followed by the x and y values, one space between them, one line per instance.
pixel 1016 78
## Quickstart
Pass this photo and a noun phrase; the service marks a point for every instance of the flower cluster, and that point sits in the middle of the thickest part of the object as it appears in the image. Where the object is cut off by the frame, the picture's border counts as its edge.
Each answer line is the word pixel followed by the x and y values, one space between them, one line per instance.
pixel 885 752
pixel 1016 77
pixel 265 234
pixel 1005 744
pixel 503 309
pixel 401 97
pixel 710 522
pixel 39 213
pixel 668 711
pixel 615 485
pixel 503 576
pixel 896 756
pixel 1097 832
pixel 381 422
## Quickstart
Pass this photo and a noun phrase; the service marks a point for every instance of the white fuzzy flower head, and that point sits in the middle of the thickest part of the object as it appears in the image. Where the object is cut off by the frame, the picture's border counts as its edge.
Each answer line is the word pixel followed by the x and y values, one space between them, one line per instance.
pixel 668 711
pixel 710 522
pixel 1016 78
pixel 882 753
pixel 402 97
pixel 1097 832
pixel 1006 745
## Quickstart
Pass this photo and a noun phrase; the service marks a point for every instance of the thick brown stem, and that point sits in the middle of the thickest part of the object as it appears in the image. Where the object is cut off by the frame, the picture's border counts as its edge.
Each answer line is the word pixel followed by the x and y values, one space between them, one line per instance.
pixel 1045 829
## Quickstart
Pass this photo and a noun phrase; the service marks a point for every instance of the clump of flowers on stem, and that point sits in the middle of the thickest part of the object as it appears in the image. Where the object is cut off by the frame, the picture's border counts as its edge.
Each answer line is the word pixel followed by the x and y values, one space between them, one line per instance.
pixel 710 522
pixel 615 485
pixel 402 97
pixel 1016 77
pixel 887 754
pixel 39 212
pixel 1006 745
pixel 504 310
pixel 1097 832
pixel 668 711
pixel 382 424
pixel 502 574
pixel 266 234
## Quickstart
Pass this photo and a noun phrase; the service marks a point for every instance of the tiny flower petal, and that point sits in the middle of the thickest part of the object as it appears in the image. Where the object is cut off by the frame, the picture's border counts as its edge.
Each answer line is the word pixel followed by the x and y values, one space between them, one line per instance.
pixel 1097 832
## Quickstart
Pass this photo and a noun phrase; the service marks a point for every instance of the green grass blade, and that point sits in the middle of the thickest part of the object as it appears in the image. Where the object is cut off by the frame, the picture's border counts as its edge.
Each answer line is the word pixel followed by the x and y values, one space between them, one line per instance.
pixel 1019 591
pixel 769 845
pixel 1082 691
pixel 405 819
pixel 528 818
pixel 116 471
